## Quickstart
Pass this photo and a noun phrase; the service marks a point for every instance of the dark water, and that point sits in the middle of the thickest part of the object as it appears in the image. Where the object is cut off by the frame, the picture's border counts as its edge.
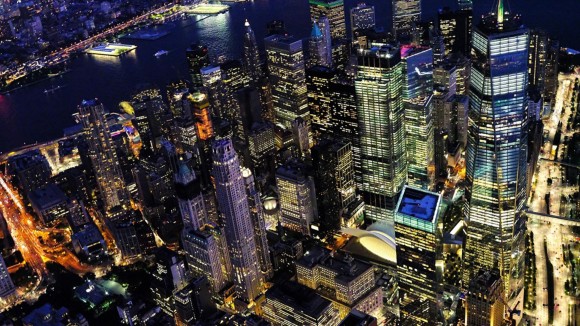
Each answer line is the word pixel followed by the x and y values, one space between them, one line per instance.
pixel 28 115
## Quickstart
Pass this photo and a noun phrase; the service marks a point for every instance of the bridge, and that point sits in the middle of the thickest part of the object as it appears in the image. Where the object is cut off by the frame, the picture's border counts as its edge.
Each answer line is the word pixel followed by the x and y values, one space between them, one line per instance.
pixel 543 217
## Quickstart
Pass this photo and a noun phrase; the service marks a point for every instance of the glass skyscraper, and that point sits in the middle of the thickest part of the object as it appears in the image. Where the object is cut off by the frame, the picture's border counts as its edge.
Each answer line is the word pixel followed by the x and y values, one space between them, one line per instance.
pixel 497 149
pixel 378 87
pixel 406 13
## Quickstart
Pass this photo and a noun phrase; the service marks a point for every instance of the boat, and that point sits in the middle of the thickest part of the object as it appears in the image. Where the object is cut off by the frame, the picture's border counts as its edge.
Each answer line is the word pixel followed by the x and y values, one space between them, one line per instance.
pixel 52 90
pixel 161 53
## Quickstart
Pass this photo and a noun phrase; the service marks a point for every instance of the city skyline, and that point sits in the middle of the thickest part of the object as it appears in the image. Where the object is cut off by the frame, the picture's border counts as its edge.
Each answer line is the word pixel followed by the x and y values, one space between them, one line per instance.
pixel 316 162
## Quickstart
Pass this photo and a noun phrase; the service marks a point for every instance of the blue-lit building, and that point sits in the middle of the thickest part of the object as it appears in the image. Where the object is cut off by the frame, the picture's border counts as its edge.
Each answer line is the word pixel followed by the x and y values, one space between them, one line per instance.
pixel 497 149
pixel 418 247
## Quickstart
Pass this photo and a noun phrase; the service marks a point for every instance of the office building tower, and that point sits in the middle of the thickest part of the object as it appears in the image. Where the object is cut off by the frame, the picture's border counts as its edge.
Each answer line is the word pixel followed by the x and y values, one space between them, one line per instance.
pixel 233 205
pixel 262 149
pixel 319 49
pixel 455 27
pixel 406 13
pixel 167 276
pixel 418 243
pixel 551 81
pixel 334 11
pixel 419 141
pixel 344 121
pixel 259 223
pixel 202 116
pixel 197 58
pixel 324 25
pixel 417 97
pixel 31 170
pixel 290 303
pixel 204 256
pixel 378 86
pixel 347 282
pixel 485 299
pixel 103 155
pixel 362 16
pixel 465 4
pixel 318 84
pixel 211 80
pixel 334 180
pixel 150 111
pixel 193 302
pixel 190 197
pixel 300 130
pixel 7 288
pixel 537 56
pixel 124 227
pixel 176 96
pixel 287 79
pixel 497 150
pixel 297 197
pixel 251 55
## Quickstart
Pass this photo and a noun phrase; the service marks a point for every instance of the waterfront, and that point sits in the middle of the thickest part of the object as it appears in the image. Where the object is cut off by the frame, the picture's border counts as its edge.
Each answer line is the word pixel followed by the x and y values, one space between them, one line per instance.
pixel 29 114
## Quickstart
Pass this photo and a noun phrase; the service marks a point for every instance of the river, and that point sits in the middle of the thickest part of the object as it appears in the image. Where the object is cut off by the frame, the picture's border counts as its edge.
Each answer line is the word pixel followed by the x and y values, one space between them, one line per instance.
pixel 29 115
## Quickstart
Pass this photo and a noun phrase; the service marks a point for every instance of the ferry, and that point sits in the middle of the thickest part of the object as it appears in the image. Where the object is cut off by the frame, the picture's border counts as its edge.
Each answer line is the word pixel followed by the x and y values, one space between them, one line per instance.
pixel 52 90
pixel 161 53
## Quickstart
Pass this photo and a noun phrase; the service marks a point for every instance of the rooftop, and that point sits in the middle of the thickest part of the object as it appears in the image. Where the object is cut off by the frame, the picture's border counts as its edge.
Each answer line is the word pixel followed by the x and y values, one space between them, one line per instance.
pixel 419 204
pixel 47 196
pixel 300 297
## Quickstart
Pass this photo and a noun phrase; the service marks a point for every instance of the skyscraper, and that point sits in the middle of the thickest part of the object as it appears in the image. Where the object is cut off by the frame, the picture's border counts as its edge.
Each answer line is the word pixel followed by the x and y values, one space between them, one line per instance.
pixel 406 13
pixel 497 149
pixel 378 86
pixel 287 78
pixel 362 16
pixel 257 214
pixel 418 242
pixel 455 27
pixel 197 58
pixel 190 198
pixel 297 197
pixel 251 54
pixel 485 297
pixel 233 205
pixel 7 287
pixel 320 52
pixel 417 96
pixel 334 10
pixel 103 155
pixel 334 179
pixel 205 257
pixel 167 276
pixel 537 57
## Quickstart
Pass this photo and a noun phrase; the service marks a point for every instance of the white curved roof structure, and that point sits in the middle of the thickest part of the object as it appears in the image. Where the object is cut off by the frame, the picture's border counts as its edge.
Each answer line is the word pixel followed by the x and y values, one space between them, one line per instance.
pixel 377 239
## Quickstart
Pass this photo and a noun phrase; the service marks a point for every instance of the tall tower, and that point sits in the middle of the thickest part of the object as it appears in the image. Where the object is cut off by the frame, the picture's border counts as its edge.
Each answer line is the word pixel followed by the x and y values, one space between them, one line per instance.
pixel 233 205
pixel 320 53
pixel 361 17
pixel 190 198
pixel 287 78
pixel 197 58
pixel 257 213
pixel 103 155
pixel 418 243
pixel 406 13
pixel 378 87
pixel 417 96
pixel 334 10
pixel 6 285
pixel 497 149
pixel 251 54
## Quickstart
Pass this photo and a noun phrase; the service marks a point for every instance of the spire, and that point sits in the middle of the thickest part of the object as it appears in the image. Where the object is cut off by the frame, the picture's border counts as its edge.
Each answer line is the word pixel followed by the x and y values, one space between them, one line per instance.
pixel 316 32
pixel 500 11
